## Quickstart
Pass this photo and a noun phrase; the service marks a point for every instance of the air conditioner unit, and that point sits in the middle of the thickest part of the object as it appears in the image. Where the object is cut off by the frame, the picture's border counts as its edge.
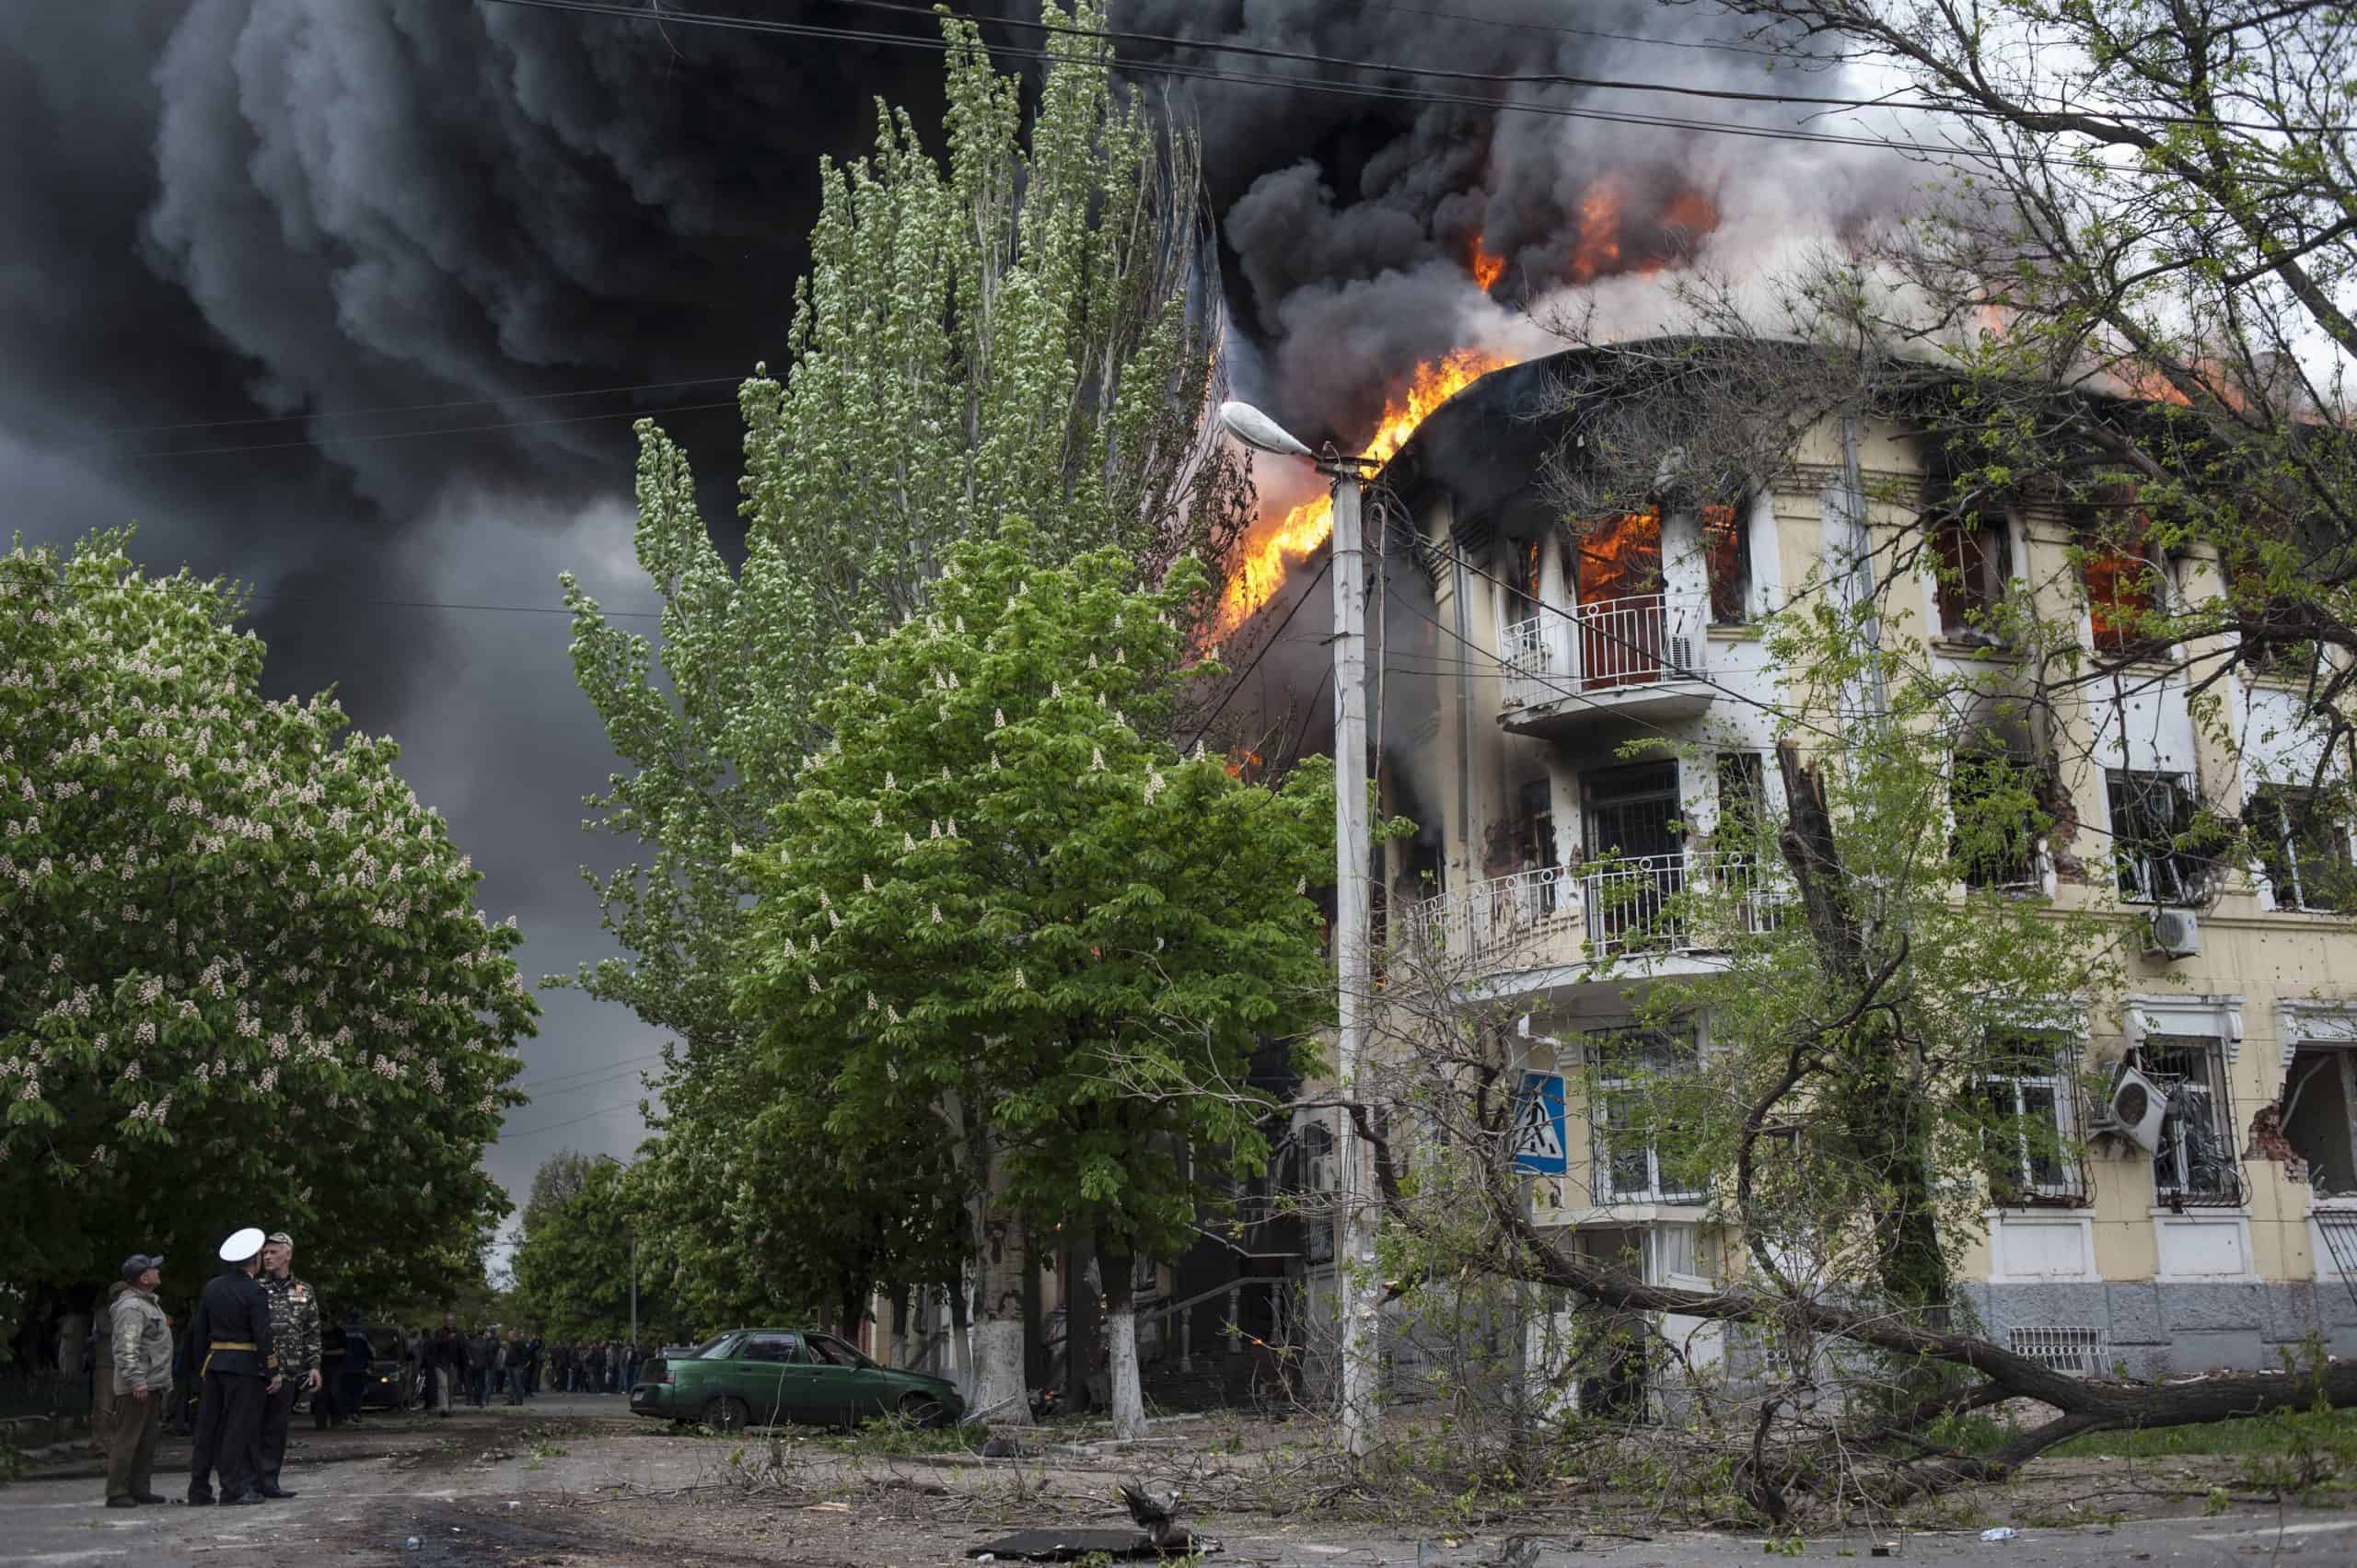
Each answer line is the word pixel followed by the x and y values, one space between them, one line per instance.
pixel 2134 1108
pixel 1325 1175
pixel 1680 658
pixel 2173 934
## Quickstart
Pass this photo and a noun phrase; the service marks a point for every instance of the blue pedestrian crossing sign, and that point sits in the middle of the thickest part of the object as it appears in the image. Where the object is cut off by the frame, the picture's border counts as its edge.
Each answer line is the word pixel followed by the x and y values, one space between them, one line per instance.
pixel 1538 1147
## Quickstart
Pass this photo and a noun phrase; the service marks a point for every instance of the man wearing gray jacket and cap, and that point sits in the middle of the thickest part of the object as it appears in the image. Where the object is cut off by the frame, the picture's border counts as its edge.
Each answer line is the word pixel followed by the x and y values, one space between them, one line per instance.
pixel 141 1377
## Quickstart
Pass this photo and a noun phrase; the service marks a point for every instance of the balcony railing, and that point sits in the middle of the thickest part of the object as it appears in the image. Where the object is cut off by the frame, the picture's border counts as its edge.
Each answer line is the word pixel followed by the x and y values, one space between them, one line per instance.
pixel 1604 646
pixel 1655 904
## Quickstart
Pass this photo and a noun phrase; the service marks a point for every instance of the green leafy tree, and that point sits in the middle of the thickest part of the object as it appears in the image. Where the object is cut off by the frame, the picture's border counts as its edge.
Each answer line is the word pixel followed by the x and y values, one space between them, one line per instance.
pixel 1016 329
pixel 1000 909
pixel 2138 257
pixel 1018 325
pixel 758 1206
pixel 242 975
pixel 574 1262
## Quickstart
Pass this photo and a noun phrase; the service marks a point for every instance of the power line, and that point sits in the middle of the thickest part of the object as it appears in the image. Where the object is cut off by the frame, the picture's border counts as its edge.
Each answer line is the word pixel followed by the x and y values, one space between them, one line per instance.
pixel 1274 637
pixel 414 434
pixel 613 9
pixel 506 1136
pixel 445 604
pixel 608 8
pixel 413 408
pixel 608 1068
pixel 1546 78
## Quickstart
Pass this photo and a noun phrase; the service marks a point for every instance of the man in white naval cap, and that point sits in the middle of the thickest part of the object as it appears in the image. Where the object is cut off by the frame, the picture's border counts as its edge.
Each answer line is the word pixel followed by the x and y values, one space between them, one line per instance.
pixel 230 1337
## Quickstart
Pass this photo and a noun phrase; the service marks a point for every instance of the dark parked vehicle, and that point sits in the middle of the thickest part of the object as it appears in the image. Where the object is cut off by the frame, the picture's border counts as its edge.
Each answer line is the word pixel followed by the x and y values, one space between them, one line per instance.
pixel 392 1381
pixel 766 1377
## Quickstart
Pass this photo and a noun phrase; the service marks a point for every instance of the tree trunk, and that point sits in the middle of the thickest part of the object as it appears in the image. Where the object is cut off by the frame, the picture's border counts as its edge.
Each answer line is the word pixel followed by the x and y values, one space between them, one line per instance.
pixel 1121 1343
pixel 961 1338
pixel 1080 1320
pixel 1002 1393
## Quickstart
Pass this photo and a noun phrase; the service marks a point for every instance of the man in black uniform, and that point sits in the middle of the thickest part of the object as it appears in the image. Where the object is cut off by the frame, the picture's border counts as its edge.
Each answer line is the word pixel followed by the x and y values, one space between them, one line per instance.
pixel 232 1334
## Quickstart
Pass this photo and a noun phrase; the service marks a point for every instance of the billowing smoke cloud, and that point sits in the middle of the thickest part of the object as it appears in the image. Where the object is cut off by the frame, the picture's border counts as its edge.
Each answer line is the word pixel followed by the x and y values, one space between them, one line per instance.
pixel 255 209
pixel 1352 223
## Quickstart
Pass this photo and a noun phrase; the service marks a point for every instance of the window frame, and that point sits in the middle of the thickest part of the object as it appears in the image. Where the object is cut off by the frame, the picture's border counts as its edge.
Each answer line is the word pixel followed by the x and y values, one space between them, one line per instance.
pixel 2053 1054
pixel 2140 859
pixel 1653 1050
pixel 2282 847
pixel 1957 599
pixel 2177 1161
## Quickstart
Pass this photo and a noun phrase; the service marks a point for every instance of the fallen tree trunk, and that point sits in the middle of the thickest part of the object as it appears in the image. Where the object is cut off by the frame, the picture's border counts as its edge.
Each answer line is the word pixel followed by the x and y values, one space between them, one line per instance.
pixel 2085 1404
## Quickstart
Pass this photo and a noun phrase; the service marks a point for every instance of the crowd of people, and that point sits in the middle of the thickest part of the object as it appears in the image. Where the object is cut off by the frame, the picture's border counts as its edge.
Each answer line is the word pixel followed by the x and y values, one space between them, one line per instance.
pixel 255 1344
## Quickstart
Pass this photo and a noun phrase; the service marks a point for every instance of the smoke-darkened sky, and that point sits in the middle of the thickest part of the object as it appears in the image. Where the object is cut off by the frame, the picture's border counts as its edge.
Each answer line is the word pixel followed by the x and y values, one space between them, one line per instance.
pixel 237 232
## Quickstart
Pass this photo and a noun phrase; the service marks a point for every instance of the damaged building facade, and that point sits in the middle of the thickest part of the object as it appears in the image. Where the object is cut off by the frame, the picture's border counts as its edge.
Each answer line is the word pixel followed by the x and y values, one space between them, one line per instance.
pixel 1549 846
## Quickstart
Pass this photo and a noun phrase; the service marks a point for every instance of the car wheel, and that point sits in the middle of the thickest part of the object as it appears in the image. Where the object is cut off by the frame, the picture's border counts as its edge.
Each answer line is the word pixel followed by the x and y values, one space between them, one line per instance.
pixel 920 1410
pixel 727 1414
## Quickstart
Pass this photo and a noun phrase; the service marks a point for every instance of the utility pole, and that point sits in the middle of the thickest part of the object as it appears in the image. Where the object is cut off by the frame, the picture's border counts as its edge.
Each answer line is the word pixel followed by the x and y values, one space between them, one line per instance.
pixel 634 1286
pixel 1355 1258
pixel 1354 1279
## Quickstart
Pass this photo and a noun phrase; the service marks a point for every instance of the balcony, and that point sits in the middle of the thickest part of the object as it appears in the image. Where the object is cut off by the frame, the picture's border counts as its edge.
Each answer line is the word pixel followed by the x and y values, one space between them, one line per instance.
pixel 1638 908
pixel 1638 657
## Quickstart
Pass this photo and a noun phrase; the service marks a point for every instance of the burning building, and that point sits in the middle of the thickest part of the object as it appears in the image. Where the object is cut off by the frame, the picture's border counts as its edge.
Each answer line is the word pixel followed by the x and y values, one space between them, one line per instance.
pixel 1525 649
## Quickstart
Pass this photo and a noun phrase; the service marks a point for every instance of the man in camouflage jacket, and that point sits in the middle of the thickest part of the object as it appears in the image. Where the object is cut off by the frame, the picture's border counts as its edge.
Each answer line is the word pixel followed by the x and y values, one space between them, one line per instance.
pixel 294 1332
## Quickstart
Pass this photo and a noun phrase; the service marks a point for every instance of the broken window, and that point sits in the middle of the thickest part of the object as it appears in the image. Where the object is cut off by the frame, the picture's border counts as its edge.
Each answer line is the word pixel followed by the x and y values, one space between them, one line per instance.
pixel 2026 1147
pixel 2126 581
pixel 1726 560
pixel 1619 557
pixel 1972 559
pixel 2304 848
pixel 2196 1164
pixel 1743 794
pixel 2319 1117
pixel 1645 1146
pixel 1996 799
pixel 2151 824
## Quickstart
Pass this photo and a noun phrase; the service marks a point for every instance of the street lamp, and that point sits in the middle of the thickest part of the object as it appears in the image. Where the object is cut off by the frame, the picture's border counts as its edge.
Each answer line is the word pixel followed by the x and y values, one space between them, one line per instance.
pixel 1352 959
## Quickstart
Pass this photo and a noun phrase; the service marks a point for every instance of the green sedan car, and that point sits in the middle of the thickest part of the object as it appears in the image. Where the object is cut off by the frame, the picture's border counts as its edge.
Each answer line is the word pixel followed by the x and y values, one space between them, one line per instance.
pixel 767 1377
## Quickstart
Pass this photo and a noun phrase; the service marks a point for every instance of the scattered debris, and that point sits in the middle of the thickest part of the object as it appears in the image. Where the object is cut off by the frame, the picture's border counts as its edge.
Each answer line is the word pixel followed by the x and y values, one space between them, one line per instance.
pixel 1071 1546
pixel 2003 1532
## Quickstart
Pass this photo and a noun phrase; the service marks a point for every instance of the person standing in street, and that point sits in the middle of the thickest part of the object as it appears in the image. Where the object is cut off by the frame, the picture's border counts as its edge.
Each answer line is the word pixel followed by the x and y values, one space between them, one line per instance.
pixel 294 1332
pixel 447 1354
pixel 359 1364
pixel 324 1413
pixel 138 1370
pixel 482 1356
pixel 239 1370
pixel 511 1354
pixel 597 1368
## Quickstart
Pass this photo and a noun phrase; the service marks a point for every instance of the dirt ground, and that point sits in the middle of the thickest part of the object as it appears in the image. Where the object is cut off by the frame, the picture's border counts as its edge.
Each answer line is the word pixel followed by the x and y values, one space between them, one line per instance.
pixel 577 1481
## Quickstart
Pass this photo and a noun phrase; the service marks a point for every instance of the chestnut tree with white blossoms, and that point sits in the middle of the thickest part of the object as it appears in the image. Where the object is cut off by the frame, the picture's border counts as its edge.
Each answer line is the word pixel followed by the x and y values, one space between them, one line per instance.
pixel 1002 914
pixel 242 975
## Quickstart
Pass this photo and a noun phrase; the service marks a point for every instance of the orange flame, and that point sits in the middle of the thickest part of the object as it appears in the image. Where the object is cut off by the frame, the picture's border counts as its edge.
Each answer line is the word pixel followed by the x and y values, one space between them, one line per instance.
pixel 1487 269
pixel 1597 251
pixel 1292 537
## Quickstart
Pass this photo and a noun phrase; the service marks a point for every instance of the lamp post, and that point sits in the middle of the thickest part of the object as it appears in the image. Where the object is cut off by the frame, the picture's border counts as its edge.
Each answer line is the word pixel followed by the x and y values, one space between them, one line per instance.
pixel 625 1164
pixel 1353 966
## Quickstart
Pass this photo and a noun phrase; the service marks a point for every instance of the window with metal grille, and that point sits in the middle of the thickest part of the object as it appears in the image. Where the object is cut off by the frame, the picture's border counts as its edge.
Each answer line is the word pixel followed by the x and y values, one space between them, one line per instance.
pixel 1641 1138
pixel 2195 1165
pixel 2152 819
pixel 1996 799
pixel 2304 850
pixel 2027 1148
pixel 2075 1351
